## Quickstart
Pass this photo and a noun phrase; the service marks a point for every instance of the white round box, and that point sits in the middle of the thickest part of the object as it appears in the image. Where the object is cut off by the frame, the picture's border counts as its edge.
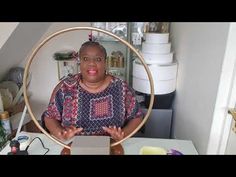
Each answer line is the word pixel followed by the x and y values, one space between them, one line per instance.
pixel 156 38
pixel 158 58
pixel 160 87
pixel 159 72
pixel 156 48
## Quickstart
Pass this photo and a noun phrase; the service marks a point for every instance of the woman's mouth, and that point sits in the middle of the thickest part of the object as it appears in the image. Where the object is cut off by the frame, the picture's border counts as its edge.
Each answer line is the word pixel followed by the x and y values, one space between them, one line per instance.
pixel 92 72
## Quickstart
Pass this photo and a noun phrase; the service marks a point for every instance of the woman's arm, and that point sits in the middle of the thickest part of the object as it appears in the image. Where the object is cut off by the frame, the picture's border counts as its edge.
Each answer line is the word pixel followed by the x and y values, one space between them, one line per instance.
pixel 131 126
pixel 54 127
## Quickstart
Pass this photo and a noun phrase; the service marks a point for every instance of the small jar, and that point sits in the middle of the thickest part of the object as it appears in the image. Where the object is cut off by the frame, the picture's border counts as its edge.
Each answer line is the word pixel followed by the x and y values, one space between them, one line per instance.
pixel 5 121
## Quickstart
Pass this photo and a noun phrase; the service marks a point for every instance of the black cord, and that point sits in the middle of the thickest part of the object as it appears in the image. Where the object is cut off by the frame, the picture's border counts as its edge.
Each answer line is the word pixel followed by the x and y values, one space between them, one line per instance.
pixel 41 143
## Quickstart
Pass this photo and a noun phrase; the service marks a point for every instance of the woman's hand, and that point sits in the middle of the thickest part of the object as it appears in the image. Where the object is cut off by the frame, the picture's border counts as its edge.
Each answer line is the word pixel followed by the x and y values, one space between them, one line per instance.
pixel 116 133
pixel 68 132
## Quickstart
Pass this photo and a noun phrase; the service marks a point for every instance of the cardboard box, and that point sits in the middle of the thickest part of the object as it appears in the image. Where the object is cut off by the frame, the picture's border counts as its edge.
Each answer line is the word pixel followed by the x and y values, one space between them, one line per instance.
pixel 90 145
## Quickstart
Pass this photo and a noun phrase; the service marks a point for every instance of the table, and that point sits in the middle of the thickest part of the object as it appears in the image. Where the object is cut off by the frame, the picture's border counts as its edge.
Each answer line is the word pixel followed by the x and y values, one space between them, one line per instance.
pixel 131 146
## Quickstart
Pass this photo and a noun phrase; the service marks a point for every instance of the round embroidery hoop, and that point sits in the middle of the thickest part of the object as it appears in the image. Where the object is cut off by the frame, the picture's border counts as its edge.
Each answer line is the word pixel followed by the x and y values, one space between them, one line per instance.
pixel 31 58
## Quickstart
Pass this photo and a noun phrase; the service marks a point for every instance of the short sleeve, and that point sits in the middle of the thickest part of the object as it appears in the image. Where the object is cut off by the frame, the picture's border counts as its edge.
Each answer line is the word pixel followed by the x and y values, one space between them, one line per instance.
pixel 55 106
pixel 132 106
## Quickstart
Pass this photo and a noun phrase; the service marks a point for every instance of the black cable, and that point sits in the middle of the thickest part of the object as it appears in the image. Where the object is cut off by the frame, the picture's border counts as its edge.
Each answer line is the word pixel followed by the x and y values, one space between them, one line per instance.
pixel 41 143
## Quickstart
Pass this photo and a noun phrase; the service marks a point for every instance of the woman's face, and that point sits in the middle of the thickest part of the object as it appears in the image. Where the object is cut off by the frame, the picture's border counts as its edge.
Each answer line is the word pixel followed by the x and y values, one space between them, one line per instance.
pixel 92 64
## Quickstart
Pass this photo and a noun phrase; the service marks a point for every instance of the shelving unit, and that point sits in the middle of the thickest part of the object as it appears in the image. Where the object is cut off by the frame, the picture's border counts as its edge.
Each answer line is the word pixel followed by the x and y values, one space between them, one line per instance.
pixel 119 67
pixel 67 67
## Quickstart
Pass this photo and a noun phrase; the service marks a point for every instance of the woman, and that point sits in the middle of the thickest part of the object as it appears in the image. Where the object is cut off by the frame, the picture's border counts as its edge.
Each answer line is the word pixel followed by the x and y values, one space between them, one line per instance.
pixel 92 102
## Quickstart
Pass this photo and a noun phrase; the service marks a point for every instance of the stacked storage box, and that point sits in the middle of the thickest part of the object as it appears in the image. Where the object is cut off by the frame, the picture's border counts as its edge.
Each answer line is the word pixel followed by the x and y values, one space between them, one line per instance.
pixel 157 54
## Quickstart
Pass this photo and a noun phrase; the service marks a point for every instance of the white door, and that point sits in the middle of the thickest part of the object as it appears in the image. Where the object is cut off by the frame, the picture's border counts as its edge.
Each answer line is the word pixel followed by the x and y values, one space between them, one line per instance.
pixel 222 138
pixel 228 145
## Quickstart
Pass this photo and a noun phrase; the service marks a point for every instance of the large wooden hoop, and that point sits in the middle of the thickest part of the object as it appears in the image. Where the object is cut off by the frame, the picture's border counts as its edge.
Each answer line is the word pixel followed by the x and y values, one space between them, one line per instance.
pixel 29 62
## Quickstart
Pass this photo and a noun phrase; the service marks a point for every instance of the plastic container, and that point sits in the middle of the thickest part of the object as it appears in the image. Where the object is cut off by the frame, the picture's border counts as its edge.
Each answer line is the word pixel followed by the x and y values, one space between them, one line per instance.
pixel 5 121
pixel 149 150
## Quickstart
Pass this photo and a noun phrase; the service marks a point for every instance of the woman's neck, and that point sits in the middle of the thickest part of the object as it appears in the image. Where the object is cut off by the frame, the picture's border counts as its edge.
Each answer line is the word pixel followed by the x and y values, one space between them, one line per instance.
pixel 95 87
pixel 91 85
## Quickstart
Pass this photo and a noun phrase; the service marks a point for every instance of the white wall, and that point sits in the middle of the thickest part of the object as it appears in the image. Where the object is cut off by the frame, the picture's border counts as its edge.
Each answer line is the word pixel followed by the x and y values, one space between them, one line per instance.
pixel 5 31
pixel 199 49
pixel 44 67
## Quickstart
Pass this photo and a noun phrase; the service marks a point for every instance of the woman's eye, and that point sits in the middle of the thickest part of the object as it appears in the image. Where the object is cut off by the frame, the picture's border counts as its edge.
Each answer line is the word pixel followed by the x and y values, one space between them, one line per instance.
pixel 85 58
pixel 99 59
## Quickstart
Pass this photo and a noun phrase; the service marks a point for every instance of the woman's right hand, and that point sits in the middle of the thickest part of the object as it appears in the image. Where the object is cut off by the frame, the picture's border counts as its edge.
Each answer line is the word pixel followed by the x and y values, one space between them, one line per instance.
pixel 67 133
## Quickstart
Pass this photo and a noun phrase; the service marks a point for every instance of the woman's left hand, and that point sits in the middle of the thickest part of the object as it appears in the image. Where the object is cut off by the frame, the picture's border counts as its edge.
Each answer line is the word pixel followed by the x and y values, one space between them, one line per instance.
pixel 116 133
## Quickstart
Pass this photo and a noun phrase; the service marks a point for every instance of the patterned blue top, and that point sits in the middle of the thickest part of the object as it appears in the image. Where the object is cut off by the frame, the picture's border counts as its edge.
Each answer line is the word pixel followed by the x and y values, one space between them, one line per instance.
pixel 73 105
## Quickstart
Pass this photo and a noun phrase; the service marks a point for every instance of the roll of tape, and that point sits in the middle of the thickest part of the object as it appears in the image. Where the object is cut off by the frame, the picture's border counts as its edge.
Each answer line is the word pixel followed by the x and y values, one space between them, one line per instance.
pixel 24 141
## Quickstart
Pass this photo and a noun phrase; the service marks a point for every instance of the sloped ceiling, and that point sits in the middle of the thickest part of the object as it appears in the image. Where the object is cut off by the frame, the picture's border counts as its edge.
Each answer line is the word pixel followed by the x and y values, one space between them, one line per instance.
pixel 19 44
pixel 6 29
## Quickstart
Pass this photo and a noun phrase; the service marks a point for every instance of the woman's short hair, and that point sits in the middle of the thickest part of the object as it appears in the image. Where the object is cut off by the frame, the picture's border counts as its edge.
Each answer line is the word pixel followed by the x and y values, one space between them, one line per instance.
pixel 93 44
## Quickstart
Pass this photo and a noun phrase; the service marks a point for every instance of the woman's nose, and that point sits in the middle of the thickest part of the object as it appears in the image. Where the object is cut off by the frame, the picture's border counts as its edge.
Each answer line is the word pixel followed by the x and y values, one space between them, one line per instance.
pixel 92 62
